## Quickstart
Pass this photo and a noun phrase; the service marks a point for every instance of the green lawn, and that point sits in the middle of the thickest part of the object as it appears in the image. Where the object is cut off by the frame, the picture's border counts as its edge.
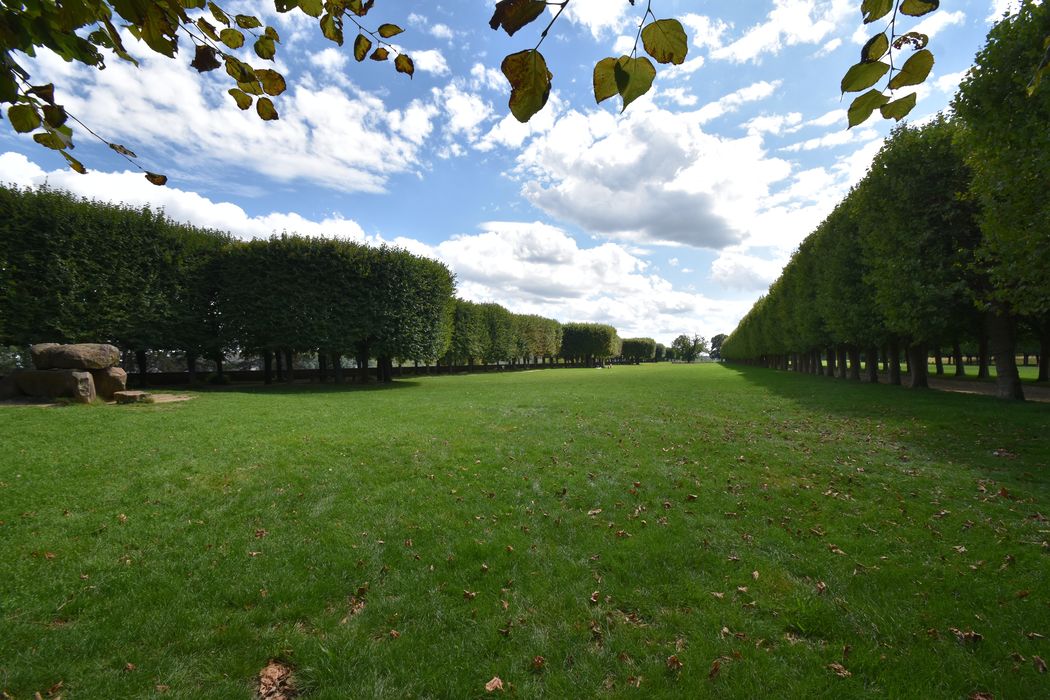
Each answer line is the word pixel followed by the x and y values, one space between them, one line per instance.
pixel 686 529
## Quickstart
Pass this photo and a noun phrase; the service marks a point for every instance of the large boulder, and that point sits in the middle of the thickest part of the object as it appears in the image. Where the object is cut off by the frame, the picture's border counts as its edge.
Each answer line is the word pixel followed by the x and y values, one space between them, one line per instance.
pixel 109 381
pixel 56 384
pixel 78 356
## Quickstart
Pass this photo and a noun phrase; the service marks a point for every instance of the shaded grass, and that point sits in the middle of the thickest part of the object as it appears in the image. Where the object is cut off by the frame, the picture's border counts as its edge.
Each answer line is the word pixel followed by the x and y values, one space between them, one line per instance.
pixel 198 540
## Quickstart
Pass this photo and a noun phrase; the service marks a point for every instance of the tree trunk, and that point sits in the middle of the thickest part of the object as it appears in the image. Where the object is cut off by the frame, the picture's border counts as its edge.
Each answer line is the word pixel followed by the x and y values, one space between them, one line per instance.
pixel 841 361
pixel 918 366
pixel 939 361
pixel 385 369
pixel 337 367
pixel 362 363
pixel 191 367
pixel 1002 345
pixel 982 350
pixel 872 365
pixel 957 358
pixel 279 362
pixel 854 363
pixel 893 356
pixel 830 369
pixel 1044 356
pixel 267 367
pixel 322 366
pixel 218 366
pixel 289 362
pixel 142 362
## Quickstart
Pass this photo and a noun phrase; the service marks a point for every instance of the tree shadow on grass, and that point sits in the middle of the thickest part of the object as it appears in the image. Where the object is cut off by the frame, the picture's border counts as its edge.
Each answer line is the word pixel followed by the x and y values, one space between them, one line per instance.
pixel 993 436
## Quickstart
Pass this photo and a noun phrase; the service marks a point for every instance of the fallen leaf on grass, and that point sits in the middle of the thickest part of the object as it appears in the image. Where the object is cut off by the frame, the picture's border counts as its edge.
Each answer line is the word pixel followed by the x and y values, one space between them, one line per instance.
pixel 494 685
pixel 754 575
pixel 718 595
pixel 978 695
pixel 1040 665
pixel 394 634
pixel 275 682
pixel 592 513
pixel 1034 635
pixel 822 588
pixel 129 667
pixel 839 670
pixel 965 636
pixel 261 533
pixel 538 663
pixel 835 550
pixel 470 595
pixel 674 663
pixel 716 667
pixel 595 596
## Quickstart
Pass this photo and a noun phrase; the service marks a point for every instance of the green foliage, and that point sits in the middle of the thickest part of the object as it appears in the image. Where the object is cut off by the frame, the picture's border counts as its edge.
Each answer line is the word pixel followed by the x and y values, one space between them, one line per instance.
pixel 638 349
pixel 1008 149
pixel 588 342
pixel 689 348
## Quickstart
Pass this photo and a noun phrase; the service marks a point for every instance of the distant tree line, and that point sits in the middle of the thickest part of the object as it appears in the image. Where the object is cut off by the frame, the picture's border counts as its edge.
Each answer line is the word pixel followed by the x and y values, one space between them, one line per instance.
pixel 75 270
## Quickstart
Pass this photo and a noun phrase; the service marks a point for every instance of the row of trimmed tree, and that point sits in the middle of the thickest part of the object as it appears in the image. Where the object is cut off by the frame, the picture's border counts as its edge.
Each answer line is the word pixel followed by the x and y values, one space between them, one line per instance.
pixel 945 242
pixel 75 270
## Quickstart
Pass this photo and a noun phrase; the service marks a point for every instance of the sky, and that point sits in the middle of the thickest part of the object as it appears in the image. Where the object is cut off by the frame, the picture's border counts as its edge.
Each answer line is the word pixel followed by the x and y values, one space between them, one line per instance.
pixel 672 217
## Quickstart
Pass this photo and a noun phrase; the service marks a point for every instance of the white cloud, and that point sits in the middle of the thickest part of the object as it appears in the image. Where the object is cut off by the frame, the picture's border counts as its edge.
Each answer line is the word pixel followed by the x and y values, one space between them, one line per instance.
pixel 835 116
pixel 745 272
pixel 532 267
pixel 731 102
pixel 789 23
pixel 773 123
pixel 466 111
pixel 336 136
pixel 1002 7
pixel 680 96
pixel 330 59
pixel 704 31
pixel 938 21
pixel 131 188
pixel 599 17
pixel 488 78
pixel 430 61
pixel 834 138
pixel 442 31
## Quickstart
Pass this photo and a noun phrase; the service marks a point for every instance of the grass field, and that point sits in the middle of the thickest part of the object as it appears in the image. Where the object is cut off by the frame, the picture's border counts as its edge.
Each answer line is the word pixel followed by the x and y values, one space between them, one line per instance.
pixel 653 531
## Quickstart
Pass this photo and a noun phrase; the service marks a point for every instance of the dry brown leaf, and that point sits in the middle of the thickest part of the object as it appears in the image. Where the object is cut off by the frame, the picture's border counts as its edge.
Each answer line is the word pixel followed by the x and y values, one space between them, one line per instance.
pixel 822 588
pixel 965 636
pixel 979 695
pixel 538 663
pixel 718 595
pixel 261 533
pixel 839 670
pixel 716 666
pixel 1034 635
pixel 129 666
pixel 594 512
pixel 494 685
pixel 470 595
pixel 595 596
pixel 674 663
pixel 275 682
pixel 691 497
pixel 835 550
pixel 754 575
pixel 635 681
pixel 1039 664
pixel 394 634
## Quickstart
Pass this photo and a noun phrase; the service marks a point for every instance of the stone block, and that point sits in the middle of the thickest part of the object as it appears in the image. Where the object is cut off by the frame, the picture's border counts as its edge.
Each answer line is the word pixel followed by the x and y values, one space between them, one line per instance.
pixel 109 381
pixel 8 389
pixel 56 384
pixel 77 356
pixel 132 397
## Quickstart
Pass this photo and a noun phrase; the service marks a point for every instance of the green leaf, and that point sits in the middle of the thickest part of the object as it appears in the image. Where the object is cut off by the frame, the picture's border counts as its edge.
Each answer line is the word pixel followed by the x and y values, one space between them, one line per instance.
pixel 272 81
pixel 916 40
pixel 239 70
pixel 332 29
pixel 864 105
pixel 314 8
pixel 218 14
pixel 863 75
pixel 265 48
pixel 264 107
pixel 914 70
pixel 204 58
pixel 44 92
pixel 530 83
pixel 404 64
pixel 605 80
pixel 194 4
pixel 50 139
pixel 74 163
pixel 899 108
pixel 285 5
pixel 875 9
pixel 207 29
pixel 251 88
pixel 634 78
pixel 272 34
pixel 241 98
pixel 121 149
pixel 362 45
pixel 54 115
pixel 23 118
pixel 918 8
pixel 665 40
pixel 380 54
pixel 512 15
pixel 156 179
pixel 232 38
pixel 388 30
pixel 247 21
pixel 875 49
pixel 360 8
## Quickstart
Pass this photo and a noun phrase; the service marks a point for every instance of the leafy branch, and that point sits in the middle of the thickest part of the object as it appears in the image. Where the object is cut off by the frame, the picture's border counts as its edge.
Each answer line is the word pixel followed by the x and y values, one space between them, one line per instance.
pixel 877 61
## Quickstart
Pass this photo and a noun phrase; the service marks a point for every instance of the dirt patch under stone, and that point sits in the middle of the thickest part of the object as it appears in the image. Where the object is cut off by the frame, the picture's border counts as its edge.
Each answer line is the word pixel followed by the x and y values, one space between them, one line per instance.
pixel 48 403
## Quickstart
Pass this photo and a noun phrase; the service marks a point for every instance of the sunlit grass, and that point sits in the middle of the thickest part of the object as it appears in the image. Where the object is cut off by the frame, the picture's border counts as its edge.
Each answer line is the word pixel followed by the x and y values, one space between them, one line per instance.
pixel 605 520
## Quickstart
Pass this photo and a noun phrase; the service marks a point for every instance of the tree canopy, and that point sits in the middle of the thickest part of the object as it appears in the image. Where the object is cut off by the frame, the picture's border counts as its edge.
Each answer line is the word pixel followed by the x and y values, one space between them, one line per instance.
pixel 86 32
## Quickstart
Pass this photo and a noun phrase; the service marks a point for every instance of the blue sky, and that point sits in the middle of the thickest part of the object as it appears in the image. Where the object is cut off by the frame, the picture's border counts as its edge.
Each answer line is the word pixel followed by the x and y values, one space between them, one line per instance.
pixel 670 218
